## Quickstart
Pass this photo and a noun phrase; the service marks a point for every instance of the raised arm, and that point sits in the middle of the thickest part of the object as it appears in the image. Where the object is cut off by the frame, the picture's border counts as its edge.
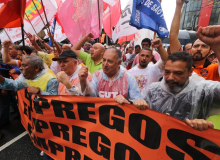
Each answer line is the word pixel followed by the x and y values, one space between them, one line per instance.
pixel 56 44
pixel 34 43
pixel 157 43
pixel 77 46
pixel 47 47
pixel 211 36
pixel 5 56
pixel 174 29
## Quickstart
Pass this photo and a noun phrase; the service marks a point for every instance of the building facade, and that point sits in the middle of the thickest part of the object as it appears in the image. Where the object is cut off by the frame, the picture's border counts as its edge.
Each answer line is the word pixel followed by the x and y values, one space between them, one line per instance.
pixel 200 13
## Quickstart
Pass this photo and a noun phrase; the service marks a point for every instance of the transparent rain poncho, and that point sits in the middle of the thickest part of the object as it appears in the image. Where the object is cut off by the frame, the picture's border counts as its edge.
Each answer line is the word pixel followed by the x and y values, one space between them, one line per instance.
pixel 196 100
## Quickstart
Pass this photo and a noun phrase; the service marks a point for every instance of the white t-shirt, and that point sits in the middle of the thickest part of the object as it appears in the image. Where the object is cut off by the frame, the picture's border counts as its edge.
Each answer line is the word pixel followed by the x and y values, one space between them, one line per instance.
pixel 128 55
pixel 145 77
pixel 55 67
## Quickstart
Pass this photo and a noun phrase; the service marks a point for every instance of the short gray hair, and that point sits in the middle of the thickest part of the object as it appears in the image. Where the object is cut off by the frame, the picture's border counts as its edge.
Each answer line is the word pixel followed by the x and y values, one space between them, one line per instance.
pixel 35 61
pixel 117 51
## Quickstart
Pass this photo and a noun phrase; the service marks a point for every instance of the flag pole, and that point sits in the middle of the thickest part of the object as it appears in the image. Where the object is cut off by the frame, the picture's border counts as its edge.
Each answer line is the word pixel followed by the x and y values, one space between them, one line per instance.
pixel 99 18
pixel 7 35
pixel 31 24
pixel 39 14
pixel 155 33
pixel 46 17
pixel 47 28
pixel 22 33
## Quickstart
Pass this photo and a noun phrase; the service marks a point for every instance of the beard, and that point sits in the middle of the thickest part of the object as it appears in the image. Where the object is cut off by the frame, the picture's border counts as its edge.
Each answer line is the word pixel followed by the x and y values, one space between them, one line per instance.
pixel 143 65
pixel 198 56
pixel 177 88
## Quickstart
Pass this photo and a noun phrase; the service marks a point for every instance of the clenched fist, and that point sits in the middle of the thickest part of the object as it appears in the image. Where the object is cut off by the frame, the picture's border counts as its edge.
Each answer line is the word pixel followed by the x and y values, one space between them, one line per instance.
pixel 83 73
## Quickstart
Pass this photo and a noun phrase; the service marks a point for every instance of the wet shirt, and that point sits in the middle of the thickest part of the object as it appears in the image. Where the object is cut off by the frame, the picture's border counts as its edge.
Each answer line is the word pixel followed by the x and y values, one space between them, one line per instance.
pixel 196 100
pixel 125 85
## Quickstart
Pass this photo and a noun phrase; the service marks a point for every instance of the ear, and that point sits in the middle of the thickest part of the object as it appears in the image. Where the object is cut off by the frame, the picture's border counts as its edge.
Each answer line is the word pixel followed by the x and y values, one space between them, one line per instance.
pixel 191 71
pixel 37 68
pixel 119 62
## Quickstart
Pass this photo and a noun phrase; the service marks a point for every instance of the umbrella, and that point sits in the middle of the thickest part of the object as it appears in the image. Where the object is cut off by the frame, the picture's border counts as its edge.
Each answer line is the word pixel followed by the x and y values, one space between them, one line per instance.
pixel 184 37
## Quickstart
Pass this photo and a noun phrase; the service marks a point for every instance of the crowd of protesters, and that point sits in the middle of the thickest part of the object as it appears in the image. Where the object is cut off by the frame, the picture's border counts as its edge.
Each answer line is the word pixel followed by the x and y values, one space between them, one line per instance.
pixel 179 81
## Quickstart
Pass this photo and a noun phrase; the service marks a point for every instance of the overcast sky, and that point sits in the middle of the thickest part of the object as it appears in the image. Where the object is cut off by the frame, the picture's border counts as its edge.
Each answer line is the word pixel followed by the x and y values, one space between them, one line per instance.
pixel 168 9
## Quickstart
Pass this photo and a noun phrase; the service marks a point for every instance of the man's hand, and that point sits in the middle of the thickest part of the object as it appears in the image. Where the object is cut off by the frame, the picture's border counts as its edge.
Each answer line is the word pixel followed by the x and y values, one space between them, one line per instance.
pixel 179 2
pixel 141 104
pixel 199 124
pixel 157 43
pixel 30 37
pixel 33 90
pixel 62 77
pixel 89 36
pixel 210 35
pixel 121 99
pixel 83 73
pixel 6 43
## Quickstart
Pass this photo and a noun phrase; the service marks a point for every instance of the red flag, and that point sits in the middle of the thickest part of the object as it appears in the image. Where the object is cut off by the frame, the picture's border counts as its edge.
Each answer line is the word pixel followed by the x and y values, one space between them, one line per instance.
pixel 3 1
pixel 111 16
pixel 125 39
pixel 12 13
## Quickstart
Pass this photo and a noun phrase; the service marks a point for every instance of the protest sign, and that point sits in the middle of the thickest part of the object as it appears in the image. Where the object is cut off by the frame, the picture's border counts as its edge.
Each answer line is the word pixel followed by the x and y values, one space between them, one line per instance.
pixel 71 127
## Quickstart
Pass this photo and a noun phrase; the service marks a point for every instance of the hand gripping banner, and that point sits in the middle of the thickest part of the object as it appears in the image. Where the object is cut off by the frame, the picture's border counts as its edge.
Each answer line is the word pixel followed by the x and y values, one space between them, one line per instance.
pixel 87 128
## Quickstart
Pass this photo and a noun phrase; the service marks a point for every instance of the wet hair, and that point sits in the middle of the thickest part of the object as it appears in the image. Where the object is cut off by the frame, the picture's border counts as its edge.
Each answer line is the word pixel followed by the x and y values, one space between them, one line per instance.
pixel 182 56
pixel 147 49
pixel 27 49
pixel 146 40
pixel 119 53
pixel 35 61
pixel 137 46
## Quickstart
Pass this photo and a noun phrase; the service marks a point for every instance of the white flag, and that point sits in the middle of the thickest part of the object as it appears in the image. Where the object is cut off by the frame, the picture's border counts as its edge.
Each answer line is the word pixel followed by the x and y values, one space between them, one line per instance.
pixel 123 28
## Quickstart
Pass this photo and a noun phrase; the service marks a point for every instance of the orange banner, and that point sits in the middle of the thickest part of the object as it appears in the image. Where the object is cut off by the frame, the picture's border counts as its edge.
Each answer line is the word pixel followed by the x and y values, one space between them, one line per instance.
pixel 87 128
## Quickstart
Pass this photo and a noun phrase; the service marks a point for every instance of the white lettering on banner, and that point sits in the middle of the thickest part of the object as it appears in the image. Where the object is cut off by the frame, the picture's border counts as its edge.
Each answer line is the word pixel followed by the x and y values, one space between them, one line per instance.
pixel 104 94
pixel 148 3
pixel 137 16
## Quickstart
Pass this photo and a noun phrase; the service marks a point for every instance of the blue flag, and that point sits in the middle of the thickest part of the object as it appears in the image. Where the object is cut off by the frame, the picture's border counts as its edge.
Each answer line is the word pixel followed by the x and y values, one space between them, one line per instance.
pixel 52 30
pixel 149 14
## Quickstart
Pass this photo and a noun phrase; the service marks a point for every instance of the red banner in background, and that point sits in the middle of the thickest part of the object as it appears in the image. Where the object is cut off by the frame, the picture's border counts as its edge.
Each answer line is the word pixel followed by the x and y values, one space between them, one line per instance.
pixel 205 14
pixel 69 127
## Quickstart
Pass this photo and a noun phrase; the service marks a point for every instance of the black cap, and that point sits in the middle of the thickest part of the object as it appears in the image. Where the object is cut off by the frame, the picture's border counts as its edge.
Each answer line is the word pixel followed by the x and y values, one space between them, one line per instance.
pixel 65 54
